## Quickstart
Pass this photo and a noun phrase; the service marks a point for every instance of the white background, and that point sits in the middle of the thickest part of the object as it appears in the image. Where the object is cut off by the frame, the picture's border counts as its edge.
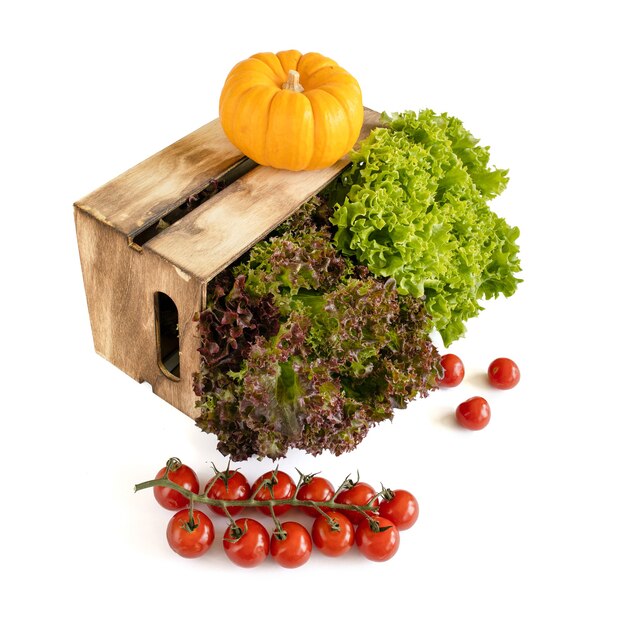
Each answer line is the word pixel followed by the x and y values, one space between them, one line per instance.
pixel 520 523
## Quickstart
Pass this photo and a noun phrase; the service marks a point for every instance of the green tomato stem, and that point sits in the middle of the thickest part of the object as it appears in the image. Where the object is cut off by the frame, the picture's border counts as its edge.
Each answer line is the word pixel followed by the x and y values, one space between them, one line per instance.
pixel 196 498
pixel 279 532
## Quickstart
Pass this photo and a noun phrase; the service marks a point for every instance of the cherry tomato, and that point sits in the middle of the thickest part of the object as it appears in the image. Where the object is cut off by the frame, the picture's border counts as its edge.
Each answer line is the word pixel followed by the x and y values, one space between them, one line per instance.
pixel 329 541
pixel 453 371
pixel 171 499
pixel 402 509
pixel 360 494
pixel 233 487
pixel 503 373
pixel 293 550
pixel 283 488
pixel 188 541
pixel 318 489
pixel 251 547
pixel 474 413
pixel 378 539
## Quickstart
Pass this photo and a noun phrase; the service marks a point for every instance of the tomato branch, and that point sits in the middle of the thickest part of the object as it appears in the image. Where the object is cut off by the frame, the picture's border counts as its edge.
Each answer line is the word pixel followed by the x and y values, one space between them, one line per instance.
pixel 251 502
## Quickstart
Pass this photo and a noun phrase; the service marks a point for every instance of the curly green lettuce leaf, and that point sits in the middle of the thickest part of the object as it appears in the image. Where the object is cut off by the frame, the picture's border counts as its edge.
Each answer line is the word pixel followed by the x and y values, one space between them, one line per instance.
pixel 286 265
pixel 352 323
pixel 414 207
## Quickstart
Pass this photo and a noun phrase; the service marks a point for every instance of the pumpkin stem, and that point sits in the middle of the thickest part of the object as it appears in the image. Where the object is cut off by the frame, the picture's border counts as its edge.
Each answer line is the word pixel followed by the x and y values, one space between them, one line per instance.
pixel 293 82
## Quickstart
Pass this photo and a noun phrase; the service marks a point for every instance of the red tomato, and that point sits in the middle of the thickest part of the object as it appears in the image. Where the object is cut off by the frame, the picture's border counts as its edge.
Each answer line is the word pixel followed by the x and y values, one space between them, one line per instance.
pixel 233 487
pixel 318 489
pixel 329 541
pixel 171 499
pixel 474 413
pixel 375 543
pixel 190 541
pixel 282 489
pixel 293 550
pixel 360 494
pixel 402 509
pixel 503 373
pixel 453 371
pixel 249 546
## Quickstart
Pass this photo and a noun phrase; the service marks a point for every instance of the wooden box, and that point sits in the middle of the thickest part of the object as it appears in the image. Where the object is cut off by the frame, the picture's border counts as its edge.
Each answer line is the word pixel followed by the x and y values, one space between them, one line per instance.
pixel 152 239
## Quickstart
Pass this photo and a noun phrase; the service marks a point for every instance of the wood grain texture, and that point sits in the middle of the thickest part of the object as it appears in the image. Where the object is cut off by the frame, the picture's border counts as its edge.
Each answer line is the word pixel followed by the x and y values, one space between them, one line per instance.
pixel 150 190
pixel 217 232
pixel 121 282
pixel 120 285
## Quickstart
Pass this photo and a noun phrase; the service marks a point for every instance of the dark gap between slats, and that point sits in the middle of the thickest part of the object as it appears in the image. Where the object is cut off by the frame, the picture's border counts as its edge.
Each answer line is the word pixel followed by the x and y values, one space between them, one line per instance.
pixel 215 185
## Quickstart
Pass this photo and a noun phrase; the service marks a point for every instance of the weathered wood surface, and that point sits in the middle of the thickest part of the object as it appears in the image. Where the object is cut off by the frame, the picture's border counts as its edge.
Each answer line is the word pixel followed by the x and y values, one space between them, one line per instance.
pixel 225 226
pixel 120 285
pixel 150 190
pixel 121 282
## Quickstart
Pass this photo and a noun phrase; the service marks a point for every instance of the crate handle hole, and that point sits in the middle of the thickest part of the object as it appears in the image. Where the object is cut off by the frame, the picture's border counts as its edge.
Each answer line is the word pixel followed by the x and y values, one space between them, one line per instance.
pixel 167 339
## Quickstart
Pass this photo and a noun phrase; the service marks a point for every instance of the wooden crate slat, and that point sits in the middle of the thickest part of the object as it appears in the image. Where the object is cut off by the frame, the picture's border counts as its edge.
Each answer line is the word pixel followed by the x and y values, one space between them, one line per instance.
pixel 120 285
pixel 121 281
pixel 220 230
pixel 151 189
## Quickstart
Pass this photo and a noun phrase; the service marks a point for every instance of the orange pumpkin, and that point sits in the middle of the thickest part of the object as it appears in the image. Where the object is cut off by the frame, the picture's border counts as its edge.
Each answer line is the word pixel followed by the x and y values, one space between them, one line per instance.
pixel 290 110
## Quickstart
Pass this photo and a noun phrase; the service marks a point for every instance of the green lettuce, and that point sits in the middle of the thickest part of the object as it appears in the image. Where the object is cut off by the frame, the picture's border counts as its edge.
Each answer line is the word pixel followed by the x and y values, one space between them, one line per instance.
pixel 413 206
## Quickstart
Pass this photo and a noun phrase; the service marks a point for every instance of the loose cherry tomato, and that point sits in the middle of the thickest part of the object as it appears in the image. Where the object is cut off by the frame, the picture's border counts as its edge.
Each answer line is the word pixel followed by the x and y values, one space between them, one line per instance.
pixel 317 489
pixel 229 486
pixel 503 373
pixel 333 541
pixel 190 540
pixel 283 488
pixel 171 499
pixel 249 545
pixel 360 494
pixel 402 509
pixel 453 371
pixel 474 413
pixel 294 549
pixel 378 539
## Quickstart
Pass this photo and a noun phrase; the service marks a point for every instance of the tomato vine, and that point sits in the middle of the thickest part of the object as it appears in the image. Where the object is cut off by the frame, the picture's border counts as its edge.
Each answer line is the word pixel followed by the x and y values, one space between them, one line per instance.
pixel 267 483
pixel 247 543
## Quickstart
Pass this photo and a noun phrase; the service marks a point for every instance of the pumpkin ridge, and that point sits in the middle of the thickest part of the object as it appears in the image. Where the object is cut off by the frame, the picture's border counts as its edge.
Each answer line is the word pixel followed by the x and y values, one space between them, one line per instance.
pixel 287 133
pixel 248 76
pixel 341 107
pixel 235 104
pixel 312 75
pixel 264 57
pixel 266 158
pixel 317 60
pixel 256 67
pixel 282 64
pixel 337 79
pixel 355 125
pixel 234 83
pixel 251 108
